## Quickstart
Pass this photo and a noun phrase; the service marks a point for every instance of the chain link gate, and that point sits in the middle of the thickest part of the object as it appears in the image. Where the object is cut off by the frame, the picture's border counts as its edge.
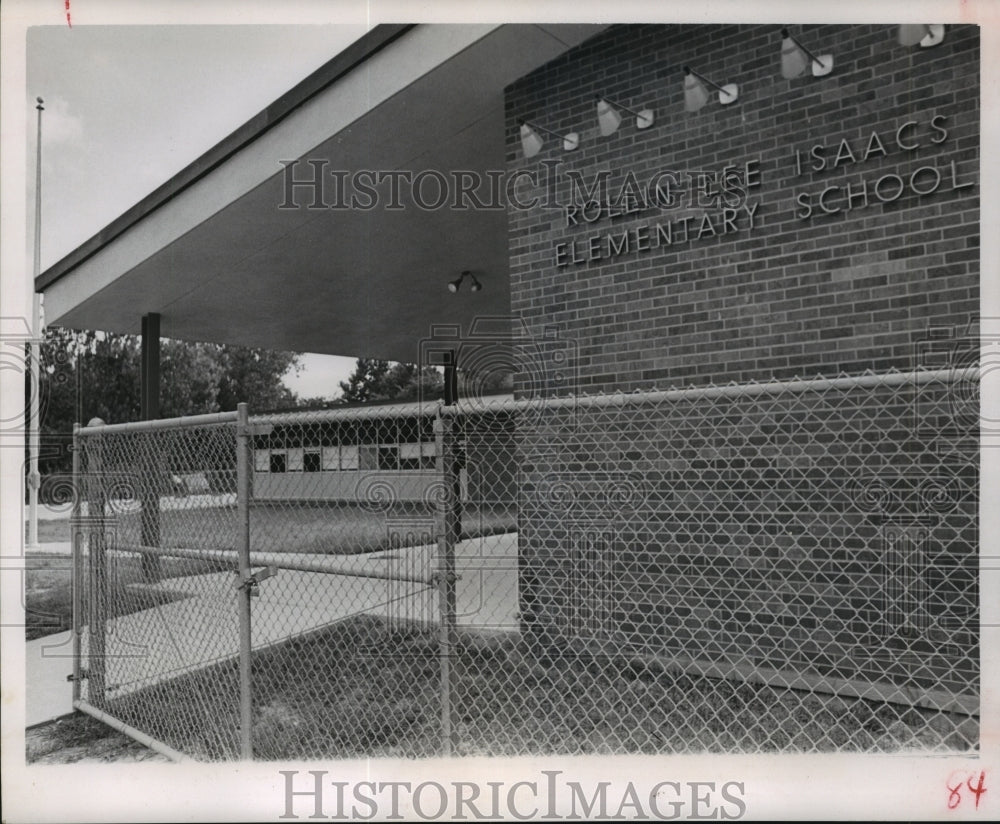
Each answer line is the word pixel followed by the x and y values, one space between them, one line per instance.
pixel 350 505
pixel 155 573
pixel 766 567
pixel 294 605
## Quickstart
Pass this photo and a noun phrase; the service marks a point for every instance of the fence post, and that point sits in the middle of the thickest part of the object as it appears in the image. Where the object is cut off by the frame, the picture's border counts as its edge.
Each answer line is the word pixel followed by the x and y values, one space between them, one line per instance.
pixel 448 531
pixel 96 509
pixel 77 583
pixel 243 446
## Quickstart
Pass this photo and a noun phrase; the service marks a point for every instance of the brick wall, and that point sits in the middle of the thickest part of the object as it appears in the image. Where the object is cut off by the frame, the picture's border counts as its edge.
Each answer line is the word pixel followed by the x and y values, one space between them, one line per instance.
pixel 764 541
pixel 793 295
pixel 817 532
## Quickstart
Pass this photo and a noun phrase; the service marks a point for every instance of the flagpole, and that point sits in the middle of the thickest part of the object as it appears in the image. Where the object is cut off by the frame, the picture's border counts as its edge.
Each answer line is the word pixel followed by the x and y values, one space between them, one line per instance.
pixel 35 423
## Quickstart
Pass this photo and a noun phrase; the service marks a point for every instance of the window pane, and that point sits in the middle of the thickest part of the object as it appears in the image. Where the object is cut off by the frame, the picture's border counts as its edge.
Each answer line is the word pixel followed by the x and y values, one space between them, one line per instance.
pixel 348 457
pixel 331 458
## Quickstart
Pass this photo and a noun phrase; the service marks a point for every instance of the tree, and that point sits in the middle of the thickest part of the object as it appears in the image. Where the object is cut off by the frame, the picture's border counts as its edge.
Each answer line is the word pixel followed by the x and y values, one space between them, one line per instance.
pixel 408 382
pixel 254 376
pixel 191 375
pixel 365 382
pixel 95 374
pixel 379 380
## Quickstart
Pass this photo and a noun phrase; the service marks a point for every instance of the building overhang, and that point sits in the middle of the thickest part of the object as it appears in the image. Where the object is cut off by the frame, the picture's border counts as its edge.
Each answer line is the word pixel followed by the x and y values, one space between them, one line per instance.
pixel 219 255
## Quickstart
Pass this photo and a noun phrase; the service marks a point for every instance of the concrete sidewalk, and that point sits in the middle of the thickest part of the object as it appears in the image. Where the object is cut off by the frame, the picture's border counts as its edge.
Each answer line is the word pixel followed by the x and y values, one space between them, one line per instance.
pixel 201 627
pixel 47 663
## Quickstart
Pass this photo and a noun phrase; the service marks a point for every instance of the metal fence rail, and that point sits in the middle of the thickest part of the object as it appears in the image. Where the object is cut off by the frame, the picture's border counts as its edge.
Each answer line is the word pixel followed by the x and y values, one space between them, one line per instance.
pixel 785 566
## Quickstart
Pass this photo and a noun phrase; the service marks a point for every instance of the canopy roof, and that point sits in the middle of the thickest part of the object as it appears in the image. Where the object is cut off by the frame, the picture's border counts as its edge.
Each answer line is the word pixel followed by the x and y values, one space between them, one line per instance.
pixel 215 256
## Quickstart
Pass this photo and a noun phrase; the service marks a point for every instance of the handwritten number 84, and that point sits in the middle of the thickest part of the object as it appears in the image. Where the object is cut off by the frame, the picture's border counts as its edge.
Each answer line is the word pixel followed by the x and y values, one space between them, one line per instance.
pixel 955 790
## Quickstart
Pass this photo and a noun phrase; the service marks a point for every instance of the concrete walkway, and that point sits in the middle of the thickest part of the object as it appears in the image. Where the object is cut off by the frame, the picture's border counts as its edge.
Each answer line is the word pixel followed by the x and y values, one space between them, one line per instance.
pixel 47 662
pixel 201 627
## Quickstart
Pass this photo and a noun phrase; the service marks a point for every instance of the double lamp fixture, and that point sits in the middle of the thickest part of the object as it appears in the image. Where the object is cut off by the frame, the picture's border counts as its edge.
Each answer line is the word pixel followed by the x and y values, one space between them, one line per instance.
pixel 456 284
pixel 796 60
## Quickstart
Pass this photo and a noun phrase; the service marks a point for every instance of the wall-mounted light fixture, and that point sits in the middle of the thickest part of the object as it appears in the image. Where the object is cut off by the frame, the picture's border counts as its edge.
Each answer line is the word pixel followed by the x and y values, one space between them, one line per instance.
pixel 796 58
pixel 925 35
pixel 696 95
pixel 609 119
pixel 454 285
pixel 532 141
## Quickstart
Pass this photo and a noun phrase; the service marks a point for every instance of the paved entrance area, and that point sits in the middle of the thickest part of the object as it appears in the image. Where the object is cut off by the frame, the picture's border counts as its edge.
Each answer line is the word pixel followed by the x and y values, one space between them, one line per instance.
pixel 201 626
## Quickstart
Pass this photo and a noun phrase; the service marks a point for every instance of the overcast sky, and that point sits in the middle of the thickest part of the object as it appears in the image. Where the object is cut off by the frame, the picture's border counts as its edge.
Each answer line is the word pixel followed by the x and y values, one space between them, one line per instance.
pixel 127 107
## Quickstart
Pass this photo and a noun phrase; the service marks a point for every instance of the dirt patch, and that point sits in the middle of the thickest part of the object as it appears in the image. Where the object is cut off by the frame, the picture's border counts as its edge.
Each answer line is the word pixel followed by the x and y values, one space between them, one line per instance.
pixel 82 739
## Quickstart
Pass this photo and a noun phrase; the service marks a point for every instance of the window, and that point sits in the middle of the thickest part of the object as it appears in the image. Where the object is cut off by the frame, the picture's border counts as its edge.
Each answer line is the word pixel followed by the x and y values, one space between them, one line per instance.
pixel 311 461
pixel 368 456
pixel 277 461
pixel 262 460
pixel 348 457
pixel 416 455
pixel 388 458
pixel 331 459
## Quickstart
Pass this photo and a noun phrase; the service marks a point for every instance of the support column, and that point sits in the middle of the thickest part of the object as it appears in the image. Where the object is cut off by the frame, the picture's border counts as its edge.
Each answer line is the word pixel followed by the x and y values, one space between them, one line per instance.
pixel 150 367
pixel 151 472
pixel 450 380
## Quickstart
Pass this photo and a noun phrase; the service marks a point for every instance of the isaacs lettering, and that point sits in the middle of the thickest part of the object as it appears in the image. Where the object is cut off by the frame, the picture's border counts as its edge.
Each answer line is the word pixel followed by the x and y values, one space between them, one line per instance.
pixel 909 137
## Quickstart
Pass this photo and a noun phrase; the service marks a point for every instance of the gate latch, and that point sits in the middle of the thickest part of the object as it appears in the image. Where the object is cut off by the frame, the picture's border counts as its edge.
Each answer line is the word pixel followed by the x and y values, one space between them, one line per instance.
pixel 83 675
pixel 253 582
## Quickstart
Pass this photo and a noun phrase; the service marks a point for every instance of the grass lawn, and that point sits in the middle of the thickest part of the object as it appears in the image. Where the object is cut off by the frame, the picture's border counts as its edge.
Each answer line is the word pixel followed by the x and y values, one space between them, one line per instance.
pixel 363 688
pixel 335 529
pixel 51 531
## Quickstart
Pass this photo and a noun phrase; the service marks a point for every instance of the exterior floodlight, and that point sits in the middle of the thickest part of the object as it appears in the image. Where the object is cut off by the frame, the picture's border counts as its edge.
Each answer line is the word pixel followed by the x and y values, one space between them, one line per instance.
pixel 532 141
pixel 696 95
pixel 609 119
pixel 455 285
pixel 925 35
pixel 796 58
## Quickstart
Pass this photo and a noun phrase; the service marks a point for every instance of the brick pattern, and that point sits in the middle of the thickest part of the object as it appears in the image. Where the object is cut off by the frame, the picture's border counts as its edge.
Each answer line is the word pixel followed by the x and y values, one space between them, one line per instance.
pixel 769 536
pixel 831 293
pixel 810 532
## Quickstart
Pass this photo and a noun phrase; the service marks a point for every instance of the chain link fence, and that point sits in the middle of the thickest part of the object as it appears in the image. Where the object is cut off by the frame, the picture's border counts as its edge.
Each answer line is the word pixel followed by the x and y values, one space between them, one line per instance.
pixel 766 567
pixel 156 615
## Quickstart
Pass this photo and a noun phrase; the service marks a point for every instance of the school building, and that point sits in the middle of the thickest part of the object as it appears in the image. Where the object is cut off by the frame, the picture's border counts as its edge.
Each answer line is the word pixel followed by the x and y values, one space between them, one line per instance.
pixel 734 269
